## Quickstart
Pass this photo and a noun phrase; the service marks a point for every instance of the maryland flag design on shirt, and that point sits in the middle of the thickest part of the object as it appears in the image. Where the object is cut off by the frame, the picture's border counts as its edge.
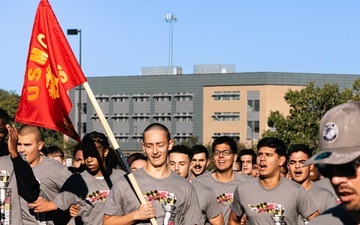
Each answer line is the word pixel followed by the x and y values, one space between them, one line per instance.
pixel 99 195
pixel 160 196
pixel 268 207
pixel 168 199
pixel 225 198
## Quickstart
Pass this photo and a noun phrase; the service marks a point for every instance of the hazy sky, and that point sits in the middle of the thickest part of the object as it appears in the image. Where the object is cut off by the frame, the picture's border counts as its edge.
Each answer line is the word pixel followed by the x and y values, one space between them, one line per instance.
pixel 121 36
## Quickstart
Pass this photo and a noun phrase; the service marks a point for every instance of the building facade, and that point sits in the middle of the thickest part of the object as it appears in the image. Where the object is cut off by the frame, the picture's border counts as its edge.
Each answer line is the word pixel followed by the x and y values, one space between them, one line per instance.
pixel 205 105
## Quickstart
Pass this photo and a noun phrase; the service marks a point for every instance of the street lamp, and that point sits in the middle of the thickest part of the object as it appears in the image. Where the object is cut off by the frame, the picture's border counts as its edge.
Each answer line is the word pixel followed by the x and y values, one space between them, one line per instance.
pixel 76 32
pixel 170 18
pixel 136 137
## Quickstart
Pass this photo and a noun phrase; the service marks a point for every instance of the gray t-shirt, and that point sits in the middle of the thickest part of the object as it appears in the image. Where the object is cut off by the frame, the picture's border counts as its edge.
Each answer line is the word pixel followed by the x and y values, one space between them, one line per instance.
pixel 207 200
pixel 326 183
pixel 322 198
pixel 173 193
pixel 223 190
pixel 87 191
pixel 287 199
pixel 51 176
pixel 7 165
pixel 333 216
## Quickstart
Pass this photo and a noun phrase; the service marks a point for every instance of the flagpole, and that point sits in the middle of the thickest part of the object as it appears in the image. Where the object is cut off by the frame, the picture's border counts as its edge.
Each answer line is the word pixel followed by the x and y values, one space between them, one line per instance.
pixel 116 146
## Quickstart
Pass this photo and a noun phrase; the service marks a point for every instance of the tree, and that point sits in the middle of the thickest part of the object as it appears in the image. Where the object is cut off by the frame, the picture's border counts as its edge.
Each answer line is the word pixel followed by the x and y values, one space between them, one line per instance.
pixel 307 106
pixel 9 101
pixel 191 141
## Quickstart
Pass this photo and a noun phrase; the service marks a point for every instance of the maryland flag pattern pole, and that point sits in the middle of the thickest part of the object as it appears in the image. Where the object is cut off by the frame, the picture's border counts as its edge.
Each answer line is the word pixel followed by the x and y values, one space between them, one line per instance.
pixel 51 70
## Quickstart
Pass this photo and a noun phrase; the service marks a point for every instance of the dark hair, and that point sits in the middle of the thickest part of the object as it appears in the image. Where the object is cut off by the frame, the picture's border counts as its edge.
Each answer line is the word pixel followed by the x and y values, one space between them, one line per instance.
pixel 271 142
pixel 299 148
pixel 225 140
pixel 250 152
pixel 4 115
pixel 55 151
pixel 100 138
pixel 157 126
pixel 196 149
pixel 286 169
pixel 89 149
pixel 181 149
pixel 112 159
pixel 77 148
pixel 30 129
pixel 136 156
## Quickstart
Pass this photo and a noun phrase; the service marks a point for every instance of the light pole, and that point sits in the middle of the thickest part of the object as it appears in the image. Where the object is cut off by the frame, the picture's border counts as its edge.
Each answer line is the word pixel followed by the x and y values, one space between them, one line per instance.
pixel 136 136
pixel 76 32
pixel 170 18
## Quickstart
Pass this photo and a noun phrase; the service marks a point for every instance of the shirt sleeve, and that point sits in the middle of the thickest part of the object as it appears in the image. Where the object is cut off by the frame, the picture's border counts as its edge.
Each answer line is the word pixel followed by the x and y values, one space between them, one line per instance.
pixel 236 205
pixel 212 209
pixel 27 184
pixel 305 206
pixel 192 213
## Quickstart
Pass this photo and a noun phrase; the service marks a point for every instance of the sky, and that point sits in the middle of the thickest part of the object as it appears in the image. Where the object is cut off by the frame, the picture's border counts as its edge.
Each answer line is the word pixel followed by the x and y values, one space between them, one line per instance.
pixel 119 37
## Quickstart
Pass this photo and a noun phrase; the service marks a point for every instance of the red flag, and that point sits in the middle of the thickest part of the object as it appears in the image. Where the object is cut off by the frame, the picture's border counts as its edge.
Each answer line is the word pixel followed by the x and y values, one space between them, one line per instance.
pixel 51 71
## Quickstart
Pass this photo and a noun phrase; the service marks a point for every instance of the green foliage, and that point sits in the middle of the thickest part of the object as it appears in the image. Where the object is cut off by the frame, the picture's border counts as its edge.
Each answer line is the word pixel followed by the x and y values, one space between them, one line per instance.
pixel 211 165
pixel 307 106
pixel 191 141
pixel 9 101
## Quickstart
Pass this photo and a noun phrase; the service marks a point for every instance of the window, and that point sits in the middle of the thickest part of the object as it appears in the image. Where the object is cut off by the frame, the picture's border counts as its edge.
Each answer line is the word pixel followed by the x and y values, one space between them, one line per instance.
pixel 95 117
pixel 141 97
pixel 226 116
pixel 253 105
pixel 120 98
pixel 179 137
pixel 120 117
pixel 226 95
pixel 102 98
pixel 122 137
pixel 162 97
pixel 84 130
pixel 184 117
pixel 253 127
pixel 141 117
pixel 84 108
pixel 235 136
pixel 183 96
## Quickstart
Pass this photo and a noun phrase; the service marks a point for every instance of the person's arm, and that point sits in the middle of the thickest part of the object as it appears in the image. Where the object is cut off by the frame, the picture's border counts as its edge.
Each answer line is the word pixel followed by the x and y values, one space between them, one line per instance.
pixel 145 212
pixel 233 219
pixel 28 186
pixel 316 213
pixel 218 220
pixel 42 205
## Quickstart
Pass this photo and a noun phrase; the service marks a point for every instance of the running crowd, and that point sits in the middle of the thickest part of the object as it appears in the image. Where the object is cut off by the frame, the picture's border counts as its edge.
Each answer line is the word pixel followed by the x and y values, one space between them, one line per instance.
pixel 269 185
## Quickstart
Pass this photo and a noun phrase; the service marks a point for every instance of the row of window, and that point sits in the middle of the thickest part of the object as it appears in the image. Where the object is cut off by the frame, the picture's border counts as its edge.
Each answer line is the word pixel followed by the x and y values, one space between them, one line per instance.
pixel 226 95
pixel 177 137
pixel 147 119
pixel 252 106
pixel 252 128
pixel 145 97
pixel 226 116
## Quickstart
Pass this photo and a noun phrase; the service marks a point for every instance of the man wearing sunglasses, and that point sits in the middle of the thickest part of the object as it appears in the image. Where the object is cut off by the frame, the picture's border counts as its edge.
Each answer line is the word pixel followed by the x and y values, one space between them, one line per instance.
pixel 339 160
